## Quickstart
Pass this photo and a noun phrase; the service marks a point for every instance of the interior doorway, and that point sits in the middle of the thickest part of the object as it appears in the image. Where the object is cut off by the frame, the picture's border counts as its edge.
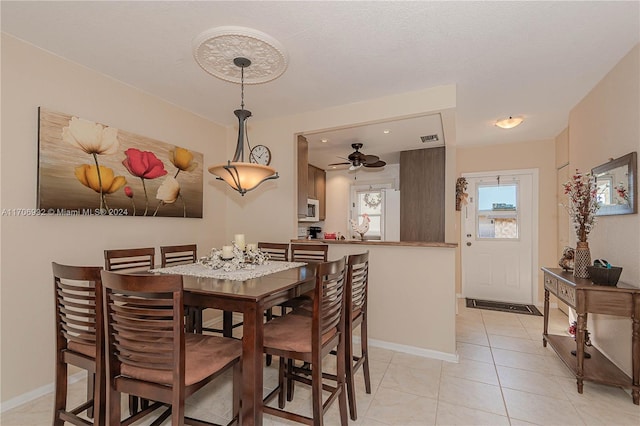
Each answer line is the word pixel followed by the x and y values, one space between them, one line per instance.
pixel 500 236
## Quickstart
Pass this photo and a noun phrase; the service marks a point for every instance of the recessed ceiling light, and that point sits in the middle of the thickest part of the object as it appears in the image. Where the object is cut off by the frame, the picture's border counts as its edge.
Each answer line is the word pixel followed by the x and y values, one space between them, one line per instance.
pixel 509 123
pixel 324 140
pixel 386 131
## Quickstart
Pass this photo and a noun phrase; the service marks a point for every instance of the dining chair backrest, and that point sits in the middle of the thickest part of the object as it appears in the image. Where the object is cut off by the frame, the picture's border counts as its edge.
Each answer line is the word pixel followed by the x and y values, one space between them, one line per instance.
pixel 276 251
pixel 147 346
pixel 144 322
pixel 139 259
pixel 79 333
pixel 177 255
pixel 309 252
pixel 329 294
pixel 357 281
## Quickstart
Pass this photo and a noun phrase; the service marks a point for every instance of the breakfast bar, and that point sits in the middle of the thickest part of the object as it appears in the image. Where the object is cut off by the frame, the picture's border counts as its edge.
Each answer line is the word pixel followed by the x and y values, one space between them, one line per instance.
pixel 412 300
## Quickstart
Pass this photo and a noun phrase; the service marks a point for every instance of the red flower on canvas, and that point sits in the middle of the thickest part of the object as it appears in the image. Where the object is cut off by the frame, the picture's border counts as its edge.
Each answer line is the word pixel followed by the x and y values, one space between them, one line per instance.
pixel 143 164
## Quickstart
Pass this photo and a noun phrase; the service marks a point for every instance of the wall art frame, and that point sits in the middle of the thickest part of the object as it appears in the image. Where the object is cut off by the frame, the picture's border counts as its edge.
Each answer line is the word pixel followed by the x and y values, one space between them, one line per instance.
pixel 88 168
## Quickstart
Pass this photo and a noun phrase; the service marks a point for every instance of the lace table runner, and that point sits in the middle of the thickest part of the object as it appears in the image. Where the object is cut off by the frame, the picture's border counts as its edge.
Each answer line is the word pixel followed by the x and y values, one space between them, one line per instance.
pixel 246 273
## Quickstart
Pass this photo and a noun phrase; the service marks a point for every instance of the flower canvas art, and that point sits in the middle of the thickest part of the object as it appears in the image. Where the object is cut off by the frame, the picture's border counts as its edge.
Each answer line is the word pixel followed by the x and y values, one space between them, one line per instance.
pixel 88 168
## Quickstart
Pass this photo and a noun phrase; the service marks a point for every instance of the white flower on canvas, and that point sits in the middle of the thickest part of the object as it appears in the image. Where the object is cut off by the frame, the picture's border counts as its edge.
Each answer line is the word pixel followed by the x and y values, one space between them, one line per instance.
pixel 91 137
pixel 169 191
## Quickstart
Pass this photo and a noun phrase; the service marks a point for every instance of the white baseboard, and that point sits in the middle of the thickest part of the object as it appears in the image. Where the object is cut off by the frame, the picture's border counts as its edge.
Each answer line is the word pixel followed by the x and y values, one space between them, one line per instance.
pixel 411 350
pixel 37 393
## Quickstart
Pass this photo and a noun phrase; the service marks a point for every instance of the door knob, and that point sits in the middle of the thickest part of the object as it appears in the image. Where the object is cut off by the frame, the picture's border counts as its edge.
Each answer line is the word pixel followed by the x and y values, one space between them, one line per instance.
pixel 468 244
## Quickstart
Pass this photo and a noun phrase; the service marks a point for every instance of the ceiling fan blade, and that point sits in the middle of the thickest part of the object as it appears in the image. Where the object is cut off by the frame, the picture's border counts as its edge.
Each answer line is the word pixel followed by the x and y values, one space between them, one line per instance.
pixel 339 164
pixel 371 159
pixel 379 163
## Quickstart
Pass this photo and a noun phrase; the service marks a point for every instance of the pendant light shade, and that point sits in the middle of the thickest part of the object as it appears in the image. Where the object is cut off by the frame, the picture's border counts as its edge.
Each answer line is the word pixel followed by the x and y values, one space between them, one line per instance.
pixel 241 176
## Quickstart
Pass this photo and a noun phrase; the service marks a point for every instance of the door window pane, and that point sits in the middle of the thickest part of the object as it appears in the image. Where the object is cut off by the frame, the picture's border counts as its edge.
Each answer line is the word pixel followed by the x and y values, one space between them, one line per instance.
pixel 497 211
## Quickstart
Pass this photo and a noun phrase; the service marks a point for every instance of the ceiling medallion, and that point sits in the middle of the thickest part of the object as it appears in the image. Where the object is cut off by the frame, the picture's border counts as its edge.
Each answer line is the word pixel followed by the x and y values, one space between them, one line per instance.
pixel 216 48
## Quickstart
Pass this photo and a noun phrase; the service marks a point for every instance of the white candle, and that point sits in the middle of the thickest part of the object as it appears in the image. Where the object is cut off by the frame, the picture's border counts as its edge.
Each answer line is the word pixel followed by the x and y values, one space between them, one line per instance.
pixel 227 252
pixel 239 240
pixel 252 247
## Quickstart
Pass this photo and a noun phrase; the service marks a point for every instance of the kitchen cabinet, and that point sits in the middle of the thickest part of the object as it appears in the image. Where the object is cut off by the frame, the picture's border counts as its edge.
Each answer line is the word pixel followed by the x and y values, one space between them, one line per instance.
pixel 317 188
pixel 303 175
pixel 311 181
pixel 422 174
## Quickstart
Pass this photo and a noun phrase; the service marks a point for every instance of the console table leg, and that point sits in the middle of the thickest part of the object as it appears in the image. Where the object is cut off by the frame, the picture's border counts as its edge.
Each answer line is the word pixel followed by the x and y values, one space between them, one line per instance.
pixel 635 347
pixel 580 337
pixel 546 318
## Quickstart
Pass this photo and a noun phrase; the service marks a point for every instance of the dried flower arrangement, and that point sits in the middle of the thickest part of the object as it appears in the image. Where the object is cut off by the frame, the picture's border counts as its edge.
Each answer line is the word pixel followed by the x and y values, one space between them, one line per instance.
pixel 583 203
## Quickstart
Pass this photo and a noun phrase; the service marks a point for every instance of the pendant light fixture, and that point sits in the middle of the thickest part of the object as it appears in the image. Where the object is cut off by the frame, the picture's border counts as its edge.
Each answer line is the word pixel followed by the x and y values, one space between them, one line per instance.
pixel 213 50
pixel 240 175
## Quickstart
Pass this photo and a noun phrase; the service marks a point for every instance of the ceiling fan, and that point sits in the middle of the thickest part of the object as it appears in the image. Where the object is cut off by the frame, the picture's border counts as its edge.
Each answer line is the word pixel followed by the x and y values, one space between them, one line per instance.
pixel 357 159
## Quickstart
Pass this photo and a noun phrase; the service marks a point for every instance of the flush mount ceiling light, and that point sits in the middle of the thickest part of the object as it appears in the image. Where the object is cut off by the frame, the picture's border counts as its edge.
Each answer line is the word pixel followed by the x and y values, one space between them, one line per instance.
pixel 509 123
pixel 227 53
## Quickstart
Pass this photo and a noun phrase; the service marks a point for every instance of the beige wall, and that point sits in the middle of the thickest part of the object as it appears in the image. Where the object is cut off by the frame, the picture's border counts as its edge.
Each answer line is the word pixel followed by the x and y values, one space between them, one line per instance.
pixel 32 78
pixel 530 155
pixel 606 124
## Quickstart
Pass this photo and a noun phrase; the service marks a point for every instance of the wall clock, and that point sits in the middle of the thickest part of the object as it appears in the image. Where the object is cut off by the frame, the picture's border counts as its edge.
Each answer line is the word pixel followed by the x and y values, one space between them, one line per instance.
pixel 260 154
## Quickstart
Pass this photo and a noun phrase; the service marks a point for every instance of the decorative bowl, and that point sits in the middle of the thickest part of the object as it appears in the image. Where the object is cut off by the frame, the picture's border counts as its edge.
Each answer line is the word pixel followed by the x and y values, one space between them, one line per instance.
pixel 604 276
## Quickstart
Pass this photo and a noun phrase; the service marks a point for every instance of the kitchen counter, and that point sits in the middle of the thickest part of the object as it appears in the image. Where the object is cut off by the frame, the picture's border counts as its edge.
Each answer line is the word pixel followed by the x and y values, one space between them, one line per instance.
pixel 381 243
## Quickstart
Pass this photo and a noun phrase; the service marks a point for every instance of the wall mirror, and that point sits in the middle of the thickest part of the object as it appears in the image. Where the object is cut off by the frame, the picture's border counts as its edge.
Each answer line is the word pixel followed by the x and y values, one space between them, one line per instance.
pixel 617 185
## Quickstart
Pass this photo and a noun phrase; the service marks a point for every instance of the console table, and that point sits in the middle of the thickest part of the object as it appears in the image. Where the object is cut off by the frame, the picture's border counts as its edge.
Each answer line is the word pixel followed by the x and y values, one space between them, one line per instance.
pixel 585 297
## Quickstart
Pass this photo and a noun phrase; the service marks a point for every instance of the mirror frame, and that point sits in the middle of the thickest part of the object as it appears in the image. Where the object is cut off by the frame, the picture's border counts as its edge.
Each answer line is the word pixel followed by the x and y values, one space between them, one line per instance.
pixel 630 161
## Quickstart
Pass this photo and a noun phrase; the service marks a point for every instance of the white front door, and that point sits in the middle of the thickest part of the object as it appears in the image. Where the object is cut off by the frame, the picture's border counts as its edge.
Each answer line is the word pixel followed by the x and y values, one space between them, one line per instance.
pixel 498 236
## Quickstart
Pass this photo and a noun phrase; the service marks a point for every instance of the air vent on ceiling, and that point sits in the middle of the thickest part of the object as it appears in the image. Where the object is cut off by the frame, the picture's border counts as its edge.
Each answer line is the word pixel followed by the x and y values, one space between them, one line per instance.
pixel 429 138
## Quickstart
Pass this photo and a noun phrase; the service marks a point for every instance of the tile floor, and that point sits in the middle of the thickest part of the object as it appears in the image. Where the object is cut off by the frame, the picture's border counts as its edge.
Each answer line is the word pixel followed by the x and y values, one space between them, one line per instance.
pixel 504 377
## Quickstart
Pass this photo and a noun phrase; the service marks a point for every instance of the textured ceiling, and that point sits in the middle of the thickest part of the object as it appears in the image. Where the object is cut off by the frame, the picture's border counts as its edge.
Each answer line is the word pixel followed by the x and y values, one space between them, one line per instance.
pixel 536 59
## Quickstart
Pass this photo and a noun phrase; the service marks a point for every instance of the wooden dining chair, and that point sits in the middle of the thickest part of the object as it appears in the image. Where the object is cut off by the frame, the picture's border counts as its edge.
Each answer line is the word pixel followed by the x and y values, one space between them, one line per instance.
pixel 178 255
pixel 150 355
pixel 309 338
pixel 309 252
pixel 276 251
pixel 356 291
pixel 135 259
pixel 79 340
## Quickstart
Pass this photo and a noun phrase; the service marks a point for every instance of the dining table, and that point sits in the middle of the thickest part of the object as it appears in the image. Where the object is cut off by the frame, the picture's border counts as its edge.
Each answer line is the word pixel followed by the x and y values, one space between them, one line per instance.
pixel 251 297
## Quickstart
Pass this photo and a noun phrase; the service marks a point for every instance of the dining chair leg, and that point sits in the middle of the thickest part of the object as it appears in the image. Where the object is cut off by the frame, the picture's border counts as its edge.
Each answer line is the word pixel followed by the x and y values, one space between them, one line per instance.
pixel 113 407
pixel 342 398
pixel 365 354
pixel 316 392
pixel 281 381
pixel 91 377
pixel 290 382
pixel 350 378
pixel 269 315
pixel 237 392
pixel 61 391
pixel 133 405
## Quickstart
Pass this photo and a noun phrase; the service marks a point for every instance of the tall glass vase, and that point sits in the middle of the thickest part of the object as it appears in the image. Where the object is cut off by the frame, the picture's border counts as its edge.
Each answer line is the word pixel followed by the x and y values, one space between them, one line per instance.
pixel 582 260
